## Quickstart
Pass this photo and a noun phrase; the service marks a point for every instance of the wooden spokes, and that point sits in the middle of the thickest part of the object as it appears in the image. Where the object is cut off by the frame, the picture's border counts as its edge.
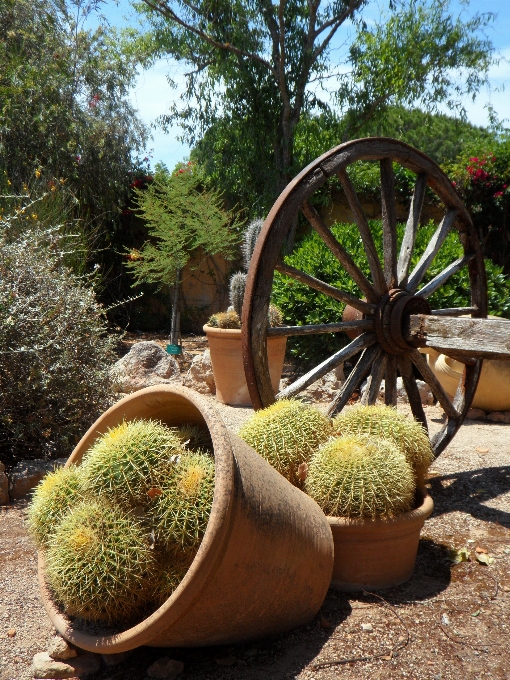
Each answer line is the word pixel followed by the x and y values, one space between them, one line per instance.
pixel 392 297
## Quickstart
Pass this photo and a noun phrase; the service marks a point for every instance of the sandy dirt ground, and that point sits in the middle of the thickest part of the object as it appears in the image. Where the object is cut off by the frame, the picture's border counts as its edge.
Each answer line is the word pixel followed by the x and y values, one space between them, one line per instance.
pixel 449 621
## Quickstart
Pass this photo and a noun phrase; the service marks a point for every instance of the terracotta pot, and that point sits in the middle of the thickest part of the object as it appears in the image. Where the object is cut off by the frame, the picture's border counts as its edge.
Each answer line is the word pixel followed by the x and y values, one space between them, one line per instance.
pixel 228 367
pixel 265 562
pixel 493 391
pixel 373 554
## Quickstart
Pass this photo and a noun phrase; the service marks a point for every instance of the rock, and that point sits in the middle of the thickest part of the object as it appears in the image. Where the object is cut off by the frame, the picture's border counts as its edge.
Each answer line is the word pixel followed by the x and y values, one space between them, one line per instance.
pixel 326 388
pixel 200 376
pixel 165 668
pixel 144 365
pixel 44 666
pixel 114 659
pixel 476 414
pixel 4 486
pixel 499 417
pixel 367 628
pixel 11 632
pixel 427 397
pixel 60 650
pixel 28 473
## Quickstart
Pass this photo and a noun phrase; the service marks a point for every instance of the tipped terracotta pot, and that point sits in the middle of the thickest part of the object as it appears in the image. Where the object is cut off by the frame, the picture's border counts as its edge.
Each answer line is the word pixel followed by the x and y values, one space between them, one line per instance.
pixel 373 554
pixel 228 367
pixel 264 564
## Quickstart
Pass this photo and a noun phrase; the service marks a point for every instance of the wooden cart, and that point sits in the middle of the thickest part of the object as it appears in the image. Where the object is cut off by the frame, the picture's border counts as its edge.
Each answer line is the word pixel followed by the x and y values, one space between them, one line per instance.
pixel 396 316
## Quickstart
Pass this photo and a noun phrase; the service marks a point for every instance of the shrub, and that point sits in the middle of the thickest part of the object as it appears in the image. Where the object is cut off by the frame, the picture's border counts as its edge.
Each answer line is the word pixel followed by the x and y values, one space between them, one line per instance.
pixel 301 305
pixel 55 353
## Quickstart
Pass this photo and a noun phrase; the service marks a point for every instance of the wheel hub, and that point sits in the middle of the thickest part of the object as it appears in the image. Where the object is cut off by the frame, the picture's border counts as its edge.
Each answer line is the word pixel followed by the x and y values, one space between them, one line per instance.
pixel 394 307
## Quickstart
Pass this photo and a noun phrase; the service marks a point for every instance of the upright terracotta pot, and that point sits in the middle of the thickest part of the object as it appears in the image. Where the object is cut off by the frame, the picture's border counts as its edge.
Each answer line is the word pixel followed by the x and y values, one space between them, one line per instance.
pixel 228 367
pixel 266 558
pixel 373 554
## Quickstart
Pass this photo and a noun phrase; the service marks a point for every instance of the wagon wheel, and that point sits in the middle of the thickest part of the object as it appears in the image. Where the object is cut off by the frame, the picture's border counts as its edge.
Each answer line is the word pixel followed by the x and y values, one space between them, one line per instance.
pixel 389 299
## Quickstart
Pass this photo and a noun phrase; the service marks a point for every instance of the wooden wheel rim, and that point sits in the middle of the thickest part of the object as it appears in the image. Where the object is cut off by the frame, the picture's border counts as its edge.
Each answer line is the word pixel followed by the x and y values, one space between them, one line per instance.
pixel 276 228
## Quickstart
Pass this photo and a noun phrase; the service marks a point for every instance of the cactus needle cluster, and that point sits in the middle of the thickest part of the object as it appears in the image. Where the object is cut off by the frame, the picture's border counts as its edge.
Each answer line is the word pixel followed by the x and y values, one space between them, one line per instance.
pixel 287 434
pixel 388 423
pixel 355 476
pixel 120 531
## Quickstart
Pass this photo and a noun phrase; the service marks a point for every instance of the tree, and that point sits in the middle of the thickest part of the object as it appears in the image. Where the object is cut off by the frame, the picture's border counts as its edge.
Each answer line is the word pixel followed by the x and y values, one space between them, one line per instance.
pixel 254 63
pixel 64 107
pixel 182 215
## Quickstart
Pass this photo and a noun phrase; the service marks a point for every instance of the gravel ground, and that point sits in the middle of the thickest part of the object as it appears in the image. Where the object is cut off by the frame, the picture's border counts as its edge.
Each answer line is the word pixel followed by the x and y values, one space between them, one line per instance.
pixel 448 621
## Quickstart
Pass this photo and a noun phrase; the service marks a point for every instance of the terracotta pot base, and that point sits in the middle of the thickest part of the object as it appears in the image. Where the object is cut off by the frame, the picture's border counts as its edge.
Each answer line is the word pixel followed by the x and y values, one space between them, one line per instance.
pixel 379 553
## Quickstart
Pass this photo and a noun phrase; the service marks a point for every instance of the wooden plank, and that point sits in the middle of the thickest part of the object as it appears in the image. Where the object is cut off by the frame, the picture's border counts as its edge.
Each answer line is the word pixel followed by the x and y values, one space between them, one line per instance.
pixel 478 338
pixel 455 311
pixel 364 231
pixel 434 384
pixel 389 220
pixel 355 378
pixel 357 345
pixel 325 288
pixel 413 222
pixel 340 252
pixel 443 276
pixel 341 327
pixel 406 371
pixel 431 250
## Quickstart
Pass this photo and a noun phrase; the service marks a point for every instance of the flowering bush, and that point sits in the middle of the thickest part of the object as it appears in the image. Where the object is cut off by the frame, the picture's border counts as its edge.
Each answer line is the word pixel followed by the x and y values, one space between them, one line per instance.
pixel 483 181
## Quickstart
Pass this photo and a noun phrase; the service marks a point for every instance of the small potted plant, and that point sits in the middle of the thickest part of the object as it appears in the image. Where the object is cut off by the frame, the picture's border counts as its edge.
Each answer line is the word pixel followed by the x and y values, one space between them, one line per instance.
pixel 223 332
pixel 370 482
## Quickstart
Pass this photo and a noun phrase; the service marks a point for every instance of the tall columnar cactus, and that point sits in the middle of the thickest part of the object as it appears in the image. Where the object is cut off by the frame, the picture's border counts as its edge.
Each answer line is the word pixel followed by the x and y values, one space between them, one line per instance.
pixel 100 564
pixel 57 492
pixel 182 506
pixel 129 460
pixel 250 237
pixel 287 434
pixel 387 422
pixel 236 291
pixel 358 476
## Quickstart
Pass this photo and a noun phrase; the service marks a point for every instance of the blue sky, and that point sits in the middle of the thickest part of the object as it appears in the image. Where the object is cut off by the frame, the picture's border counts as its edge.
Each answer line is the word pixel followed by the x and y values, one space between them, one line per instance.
pixel 152 94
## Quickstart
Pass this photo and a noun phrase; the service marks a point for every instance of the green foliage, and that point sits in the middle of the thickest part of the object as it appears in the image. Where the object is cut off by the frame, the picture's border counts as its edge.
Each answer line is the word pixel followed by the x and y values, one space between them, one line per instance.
pixel 181 216
pixel 65 110
pixel 387 423
pixel 301 305
pixel 100 564
pixel 287 434
pixel 181 511
pixel 356 476
pixel 53 497
pixel 129 460
pixel 55 353
pixel 481 175
pixel 251 64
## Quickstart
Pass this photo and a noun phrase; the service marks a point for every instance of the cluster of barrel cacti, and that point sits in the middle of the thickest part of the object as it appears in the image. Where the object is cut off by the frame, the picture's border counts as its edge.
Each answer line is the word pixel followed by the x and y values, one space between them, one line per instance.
pixel 120 530
pixel 366 462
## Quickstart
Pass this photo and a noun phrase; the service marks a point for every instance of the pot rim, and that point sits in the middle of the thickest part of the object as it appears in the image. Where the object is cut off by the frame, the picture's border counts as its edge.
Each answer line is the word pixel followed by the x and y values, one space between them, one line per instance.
pixel 211 549
pixel 212 330
pixel 419 513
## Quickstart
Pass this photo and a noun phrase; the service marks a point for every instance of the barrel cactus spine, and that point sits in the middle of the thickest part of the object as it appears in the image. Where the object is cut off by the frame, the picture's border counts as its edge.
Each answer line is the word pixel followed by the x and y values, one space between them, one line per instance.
pixel 55 494
pixel 387 422
pixel 357 476
pixel 100 563
pixel 287 434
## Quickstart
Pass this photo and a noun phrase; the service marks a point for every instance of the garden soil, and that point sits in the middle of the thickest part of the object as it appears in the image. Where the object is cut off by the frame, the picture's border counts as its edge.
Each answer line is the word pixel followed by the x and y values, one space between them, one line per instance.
pixel 451 620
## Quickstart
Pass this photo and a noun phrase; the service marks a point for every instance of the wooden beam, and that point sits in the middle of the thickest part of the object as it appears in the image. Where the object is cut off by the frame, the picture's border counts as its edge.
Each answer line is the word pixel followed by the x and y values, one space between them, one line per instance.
pixel 479 338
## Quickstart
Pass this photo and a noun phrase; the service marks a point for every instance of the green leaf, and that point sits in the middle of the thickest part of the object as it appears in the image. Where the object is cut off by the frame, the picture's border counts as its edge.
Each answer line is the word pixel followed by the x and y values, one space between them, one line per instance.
pixel 458 556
